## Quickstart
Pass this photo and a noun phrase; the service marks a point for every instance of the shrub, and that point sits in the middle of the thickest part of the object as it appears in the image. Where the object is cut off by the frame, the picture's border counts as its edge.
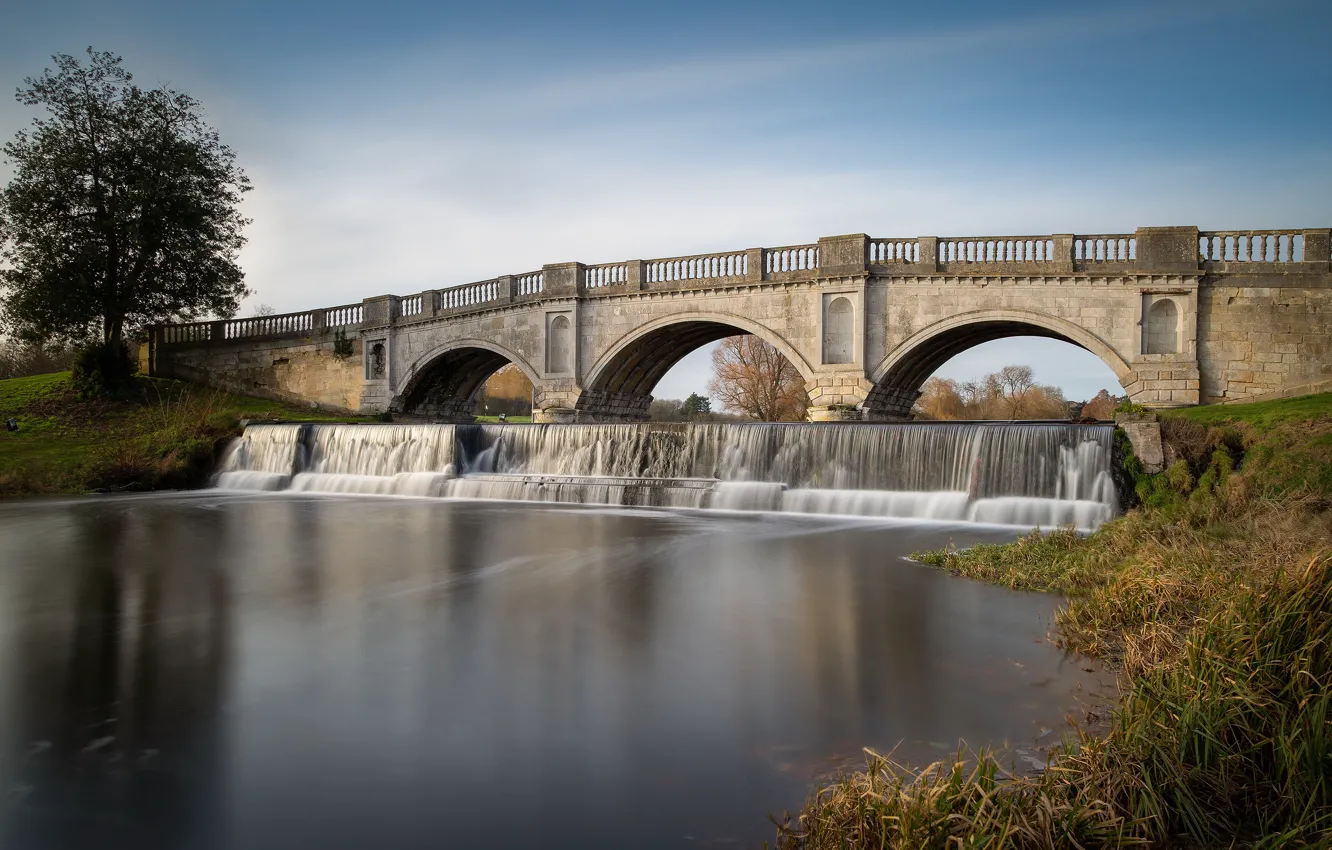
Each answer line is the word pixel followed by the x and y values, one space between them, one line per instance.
pixel 103 371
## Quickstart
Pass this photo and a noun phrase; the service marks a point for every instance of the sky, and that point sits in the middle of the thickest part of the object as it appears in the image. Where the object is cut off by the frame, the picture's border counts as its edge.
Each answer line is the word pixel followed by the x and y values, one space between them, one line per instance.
pixel 398 146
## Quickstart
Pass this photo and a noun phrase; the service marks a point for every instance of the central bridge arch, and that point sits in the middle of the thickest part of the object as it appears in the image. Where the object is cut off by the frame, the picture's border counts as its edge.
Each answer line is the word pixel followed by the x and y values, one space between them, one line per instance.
pixel 899 376
pixel 619 384
pixel 444 382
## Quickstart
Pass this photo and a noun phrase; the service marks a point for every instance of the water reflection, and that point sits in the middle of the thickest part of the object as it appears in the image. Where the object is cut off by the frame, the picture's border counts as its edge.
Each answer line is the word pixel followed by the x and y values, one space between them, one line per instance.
pixel 251 672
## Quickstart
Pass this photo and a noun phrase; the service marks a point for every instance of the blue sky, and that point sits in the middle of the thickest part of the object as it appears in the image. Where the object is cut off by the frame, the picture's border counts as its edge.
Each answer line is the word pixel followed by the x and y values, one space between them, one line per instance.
pixel 399 146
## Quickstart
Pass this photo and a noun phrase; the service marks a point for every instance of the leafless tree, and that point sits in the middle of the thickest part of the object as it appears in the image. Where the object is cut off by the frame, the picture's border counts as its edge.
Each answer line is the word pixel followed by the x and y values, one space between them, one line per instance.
pixel 752 377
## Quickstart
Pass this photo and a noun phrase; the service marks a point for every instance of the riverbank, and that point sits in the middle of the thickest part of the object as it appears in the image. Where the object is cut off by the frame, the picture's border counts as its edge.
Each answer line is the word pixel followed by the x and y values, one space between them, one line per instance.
pixel 166 435
pixel 1214 600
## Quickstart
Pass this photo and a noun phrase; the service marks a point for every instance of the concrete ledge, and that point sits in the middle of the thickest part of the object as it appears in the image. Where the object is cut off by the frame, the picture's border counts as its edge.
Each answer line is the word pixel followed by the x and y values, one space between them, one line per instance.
pixel 1144 433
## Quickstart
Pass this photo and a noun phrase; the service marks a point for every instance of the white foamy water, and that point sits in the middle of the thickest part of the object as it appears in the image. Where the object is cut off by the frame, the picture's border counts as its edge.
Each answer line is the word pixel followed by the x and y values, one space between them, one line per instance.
pixel 1026 475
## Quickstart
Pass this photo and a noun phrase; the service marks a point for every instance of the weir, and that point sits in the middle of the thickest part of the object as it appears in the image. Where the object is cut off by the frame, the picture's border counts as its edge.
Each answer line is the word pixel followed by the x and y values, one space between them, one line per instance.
pixel 1013 474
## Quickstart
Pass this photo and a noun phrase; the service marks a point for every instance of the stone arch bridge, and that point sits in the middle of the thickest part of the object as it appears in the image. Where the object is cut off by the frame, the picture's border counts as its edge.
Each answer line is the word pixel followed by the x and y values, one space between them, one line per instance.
pixel 1182 317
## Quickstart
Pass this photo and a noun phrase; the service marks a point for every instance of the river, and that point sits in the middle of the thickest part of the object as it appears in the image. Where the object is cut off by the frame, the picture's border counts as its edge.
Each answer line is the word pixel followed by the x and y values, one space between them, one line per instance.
pixel 238 670
pixel 412 635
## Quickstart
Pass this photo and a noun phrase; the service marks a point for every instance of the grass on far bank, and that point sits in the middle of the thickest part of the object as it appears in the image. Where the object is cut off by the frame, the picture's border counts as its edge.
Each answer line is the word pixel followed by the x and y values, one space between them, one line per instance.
pixel 167 434
pixel 1214 598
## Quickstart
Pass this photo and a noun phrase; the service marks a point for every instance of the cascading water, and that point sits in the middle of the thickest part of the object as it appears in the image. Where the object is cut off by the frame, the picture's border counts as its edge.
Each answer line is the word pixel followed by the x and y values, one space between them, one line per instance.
pixel 1030 475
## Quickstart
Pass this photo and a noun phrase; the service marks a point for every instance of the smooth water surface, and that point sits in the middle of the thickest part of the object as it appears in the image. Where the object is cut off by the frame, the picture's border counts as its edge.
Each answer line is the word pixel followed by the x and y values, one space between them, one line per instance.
pixel 240 671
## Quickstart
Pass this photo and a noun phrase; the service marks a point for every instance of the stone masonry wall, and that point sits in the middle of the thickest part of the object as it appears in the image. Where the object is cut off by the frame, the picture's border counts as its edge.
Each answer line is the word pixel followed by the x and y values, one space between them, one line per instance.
pixel 299 370
pixel 1264 335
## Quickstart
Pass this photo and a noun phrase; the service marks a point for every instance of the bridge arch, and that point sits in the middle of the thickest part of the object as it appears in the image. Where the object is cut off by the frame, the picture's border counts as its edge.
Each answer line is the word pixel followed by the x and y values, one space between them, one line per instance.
pixel 620 382
pixel 898 377
pixel 444 381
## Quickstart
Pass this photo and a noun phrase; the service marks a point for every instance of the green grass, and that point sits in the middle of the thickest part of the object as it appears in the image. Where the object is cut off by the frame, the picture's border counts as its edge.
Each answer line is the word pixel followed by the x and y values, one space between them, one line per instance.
pixel 167 434
pixel 18 393
pixel 1261 414
pixel 1214 600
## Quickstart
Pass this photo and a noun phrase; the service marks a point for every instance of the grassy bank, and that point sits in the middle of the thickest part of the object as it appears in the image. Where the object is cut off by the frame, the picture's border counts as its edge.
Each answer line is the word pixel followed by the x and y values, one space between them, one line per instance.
pixel 1214 598
pixel 165 435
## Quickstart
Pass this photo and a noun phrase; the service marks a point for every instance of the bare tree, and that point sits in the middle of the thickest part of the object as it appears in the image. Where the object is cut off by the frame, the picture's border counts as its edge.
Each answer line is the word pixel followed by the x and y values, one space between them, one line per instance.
pixel 752 377
pixel 262 310
pixel 1013 384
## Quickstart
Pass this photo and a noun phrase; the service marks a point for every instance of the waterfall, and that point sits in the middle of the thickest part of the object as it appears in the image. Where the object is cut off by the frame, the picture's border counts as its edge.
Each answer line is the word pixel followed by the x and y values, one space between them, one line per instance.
pixel 1015 474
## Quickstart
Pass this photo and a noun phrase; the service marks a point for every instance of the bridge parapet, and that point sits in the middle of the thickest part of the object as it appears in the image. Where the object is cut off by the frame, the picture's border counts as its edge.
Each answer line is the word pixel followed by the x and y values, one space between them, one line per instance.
pixel 1147 250
pixel 1241 250
pixel 1180 315
pixel 346 317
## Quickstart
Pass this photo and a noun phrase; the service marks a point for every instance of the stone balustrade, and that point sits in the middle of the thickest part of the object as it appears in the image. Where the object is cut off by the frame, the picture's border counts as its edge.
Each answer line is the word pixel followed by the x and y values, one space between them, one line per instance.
pixel 791 259
pixel 894 251
pixel 697 267
pixel 610 274
pixel 412 305
pixel 532 283
pixel 1251 246
pixel 345 316
pixel 995 250
pixel 469 294
pixel 1027 255
pixel 1117 248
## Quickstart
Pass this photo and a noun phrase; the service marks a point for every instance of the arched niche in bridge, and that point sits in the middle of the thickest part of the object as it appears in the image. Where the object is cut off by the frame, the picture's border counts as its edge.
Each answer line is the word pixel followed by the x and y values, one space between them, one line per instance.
pixel 559 345
pixel 898 379
pixel 446 383
pixel 1162 331
pixel 839 331
pixel 622 381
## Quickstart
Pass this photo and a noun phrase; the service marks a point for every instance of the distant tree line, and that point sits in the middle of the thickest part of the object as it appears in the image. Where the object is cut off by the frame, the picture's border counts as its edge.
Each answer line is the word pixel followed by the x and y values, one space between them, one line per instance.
pixel 19 359
pixel 1011 393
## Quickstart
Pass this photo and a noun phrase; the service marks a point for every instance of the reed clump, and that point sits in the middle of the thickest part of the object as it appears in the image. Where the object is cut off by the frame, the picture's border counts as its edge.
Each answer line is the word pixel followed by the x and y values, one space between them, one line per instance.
pixel 1214 599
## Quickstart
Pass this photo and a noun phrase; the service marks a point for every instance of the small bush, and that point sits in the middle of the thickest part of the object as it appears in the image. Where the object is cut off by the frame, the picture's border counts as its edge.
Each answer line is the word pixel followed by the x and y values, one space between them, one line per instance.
pixel 103 371
pixel 342 346
pixel 1180 477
